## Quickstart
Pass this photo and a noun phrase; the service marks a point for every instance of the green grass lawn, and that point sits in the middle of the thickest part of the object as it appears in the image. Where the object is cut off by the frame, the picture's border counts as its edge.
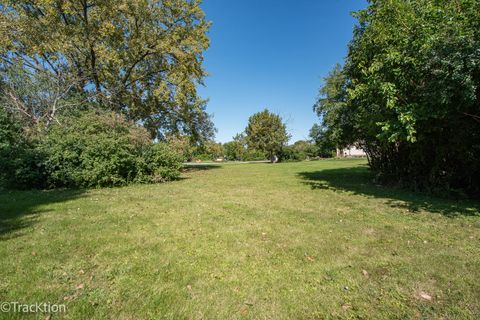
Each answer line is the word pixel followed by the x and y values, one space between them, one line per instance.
pixel 309 240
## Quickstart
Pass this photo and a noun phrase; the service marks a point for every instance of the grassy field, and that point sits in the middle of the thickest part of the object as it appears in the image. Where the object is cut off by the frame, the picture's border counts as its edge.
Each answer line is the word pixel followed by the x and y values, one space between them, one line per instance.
pixel 309 240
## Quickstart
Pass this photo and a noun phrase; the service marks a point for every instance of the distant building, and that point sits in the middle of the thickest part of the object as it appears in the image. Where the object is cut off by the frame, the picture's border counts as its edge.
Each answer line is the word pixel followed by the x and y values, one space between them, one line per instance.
pixel 351 151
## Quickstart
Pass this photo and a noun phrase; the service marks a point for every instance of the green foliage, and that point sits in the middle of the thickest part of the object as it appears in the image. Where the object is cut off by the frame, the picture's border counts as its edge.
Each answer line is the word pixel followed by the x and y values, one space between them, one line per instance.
pixel 94 150
pixel 10 140
pixel 182 145
pixel 18 160
pixel 159 163
pixel 140 58
pixel 36 96
pixel 208 151
pixel 254 155
pixel 236 149
pixel 410 95
pixel 323 140
pixel 331 106
pixel 233 152
pixel 267 133
pixel 86 150
pixel 299 151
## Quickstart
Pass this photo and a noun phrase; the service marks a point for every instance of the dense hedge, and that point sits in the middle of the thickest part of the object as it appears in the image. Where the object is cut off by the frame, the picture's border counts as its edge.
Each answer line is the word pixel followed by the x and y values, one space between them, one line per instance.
pixel 85 150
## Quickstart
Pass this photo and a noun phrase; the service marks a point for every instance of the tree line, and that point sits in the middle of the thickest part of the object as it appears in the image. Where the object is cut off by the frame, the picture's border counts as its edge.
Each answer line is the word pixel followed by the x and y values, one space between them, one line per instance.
pixel 265 138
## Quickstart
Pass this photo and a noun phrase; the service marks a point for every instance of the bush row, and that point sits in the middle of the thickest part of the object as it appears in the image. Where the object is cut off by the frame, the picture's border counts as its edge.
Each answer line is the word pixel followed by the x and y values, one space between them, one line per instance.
pixel 89 149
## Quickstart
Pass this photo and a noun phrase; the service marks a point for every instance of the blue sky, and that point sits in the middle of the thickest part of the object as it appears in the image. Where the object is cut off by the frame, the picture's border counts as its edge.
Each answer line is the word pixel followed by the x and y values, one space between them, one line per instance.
pixel 272 54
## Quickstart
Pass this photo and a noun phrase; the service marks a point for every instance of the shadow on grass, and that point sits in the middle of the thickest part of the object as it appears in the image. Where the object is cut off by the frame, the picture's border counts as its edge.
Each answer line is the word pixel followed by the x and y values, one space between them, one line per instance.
pixel 359 181
pixel 192 167
pixel 21 209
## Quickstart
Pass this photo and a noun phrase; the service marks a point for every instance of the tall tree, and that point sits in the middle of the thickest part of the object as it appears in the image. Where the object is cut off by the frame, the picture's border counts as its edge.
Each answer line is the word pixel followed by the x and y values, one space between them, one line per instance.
pixel 411 93
pixel 142 57
pixel 266 132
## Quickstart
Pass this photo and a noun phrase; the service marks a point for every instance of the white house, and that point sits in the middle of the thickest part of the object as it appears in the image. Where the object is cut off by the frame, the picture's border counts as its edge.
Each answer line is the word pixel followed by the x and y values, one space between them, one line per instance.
pixel 351 151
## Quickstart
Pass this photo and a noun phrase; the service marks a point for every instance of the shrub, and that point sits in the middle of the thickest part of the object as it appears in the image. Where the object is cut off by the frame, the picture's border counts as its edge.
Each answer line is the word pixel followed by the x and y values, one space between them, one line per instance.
pixel 159 163
pixel 289 153
pixel 19 162
pixel 92 150
pixel 88 149
pixel 299 151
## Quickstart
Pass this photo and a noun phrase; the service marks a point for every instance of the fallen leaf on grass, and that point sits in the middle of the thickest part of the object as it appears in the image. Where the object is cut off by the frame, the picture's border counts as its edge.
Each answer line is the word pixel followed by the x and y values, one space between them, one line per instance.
pixel 68 298
pixel 244 311
pixel 346 306
pixel 425 296
pixel 80 286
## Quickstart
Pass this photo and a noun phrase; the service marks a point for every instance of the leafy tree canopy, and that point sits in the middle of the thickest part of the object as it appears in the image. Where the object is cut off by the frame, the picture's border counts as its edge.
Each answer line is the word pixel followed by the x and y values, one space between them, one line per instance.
pixel 143 58
pixel 266 132
pixel 410 93
pixel 321 138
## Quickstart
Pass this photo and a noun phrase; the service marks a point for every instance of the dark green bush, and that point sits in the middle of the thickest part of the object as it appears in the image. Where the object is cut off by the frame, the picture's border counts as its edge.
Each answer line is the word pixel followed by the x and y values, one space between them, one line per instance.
pixel 203 157
pixel 97 150
pixel 88 149
pixel 299 151
pixel 91 150
pixel 20 164
pixel 10 144
pixel 289 153
pixel 159 163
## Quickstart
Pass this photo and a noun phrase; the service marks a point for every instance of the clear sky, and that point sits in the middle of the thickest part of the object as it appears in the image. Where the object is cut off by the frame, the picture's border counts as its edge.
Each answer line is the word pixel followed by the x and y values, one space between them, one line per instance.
pixel 272 54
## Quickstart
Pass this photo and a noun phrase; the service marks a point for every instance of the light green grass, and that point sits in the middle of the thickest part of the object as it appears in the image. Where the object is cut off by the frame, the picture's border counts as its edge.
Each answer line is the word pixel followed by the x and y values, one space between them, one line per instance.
pixel 245 241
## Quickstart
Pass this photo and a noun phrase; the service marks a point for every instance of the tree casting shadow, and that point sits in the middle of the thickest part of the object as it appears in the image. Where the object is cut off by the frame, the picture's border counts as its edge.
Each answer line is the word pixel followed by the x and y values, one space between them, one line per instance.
pixel 21 209
pixel 359 181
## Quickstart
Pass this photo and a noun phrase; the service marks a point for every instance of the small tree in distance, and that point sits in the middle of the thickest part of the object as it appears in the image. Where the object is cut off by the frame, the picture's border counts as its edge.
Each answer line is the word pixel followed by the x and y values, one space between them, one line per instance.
pixel 267 132
pixel 236 149
pixel 320 136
